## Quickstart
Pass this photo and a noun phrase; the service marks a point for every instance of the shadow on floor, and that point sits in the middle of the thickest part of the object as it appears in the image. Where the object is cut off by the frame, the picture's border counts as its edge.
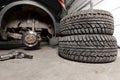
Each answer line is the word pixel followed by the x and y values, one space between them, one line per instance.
pixel 4 45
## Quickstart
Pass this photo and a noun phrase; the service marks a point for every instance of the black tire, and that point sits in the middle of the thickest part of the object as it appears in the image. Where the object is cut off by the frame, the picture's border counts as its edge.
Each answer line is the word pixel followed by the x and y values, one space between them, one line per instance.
pixel 88 41
pixel 89 55
pixel 88 48
pixel 87 22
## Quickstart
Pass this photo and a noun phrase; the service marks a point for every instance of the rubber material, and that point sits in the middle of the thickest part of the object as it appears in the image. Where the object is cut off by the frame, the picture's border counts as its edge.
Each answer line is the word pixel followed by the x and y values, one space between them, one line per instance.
pixel 88 41
pixel 89 55
pixel 88 48
pixel 87 22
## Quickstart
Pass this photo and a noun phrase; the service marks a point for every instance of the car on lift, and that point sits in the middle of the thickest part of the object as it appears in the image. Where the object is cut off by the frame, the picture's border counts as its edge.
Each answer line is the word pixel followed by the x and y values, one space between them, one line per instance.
pixel 31 21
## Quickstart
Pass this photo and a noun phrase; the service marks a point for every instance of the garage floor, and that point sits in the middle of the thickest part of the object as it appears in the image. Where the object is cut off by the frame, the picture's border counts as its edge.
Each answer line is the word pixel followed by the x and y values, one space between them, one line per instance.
pixel 47 65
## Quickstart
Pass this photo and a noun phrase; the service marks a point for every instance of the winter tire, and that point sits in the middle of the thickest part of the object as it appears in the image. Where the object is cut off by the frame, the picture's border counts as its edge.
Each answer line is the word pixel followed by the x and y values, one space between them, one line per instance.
pixel 87 22
pixel 88 48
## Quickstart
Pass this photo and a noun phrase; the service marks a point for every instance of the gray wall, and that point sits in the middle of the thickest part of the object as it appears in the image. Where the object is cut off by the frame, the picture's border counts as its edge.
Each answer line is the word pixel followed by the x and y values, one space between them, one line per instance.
pixel 77 5
pixel 112 6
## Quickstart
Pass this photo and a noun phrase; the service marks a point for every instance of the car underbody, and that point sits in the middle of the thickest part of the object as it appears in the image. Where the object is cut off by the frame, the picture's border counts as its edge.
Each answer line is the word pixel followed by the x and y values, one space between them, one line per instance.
pixel 29 23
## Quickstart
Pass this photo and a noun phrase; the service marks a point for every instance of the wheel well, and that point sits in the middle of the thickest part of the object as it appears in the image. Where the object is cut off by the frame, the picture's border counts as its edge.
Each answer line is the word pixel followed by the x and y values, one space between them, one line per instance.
pixel 43 15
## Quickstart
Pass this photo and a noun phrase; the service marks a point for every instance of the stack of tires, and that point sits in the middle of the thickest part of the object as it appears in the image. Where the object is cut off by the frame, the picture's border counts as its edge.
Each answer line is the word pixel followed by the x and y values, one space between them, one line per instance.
pixel 87 36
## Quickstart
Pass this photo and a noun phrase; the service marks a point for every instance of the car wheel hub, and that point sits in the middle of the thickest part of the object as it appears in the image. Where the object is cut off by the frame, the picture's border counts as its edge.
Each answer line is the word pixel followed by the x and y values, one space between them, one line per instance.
pixel 30 38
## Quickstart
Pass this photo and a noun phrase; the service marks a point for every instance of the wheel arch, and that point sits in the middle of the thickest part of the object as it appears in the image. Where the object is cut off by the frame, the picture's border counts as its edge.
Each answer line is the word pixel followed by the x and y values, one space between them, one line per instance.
pixel 33 3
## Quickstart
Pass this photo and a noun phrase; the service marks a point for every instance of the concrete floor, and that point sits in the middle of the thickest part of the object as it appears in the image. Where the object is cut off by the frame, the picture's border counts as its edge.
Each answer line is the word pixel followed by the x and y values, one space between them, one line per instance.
pixel 47 65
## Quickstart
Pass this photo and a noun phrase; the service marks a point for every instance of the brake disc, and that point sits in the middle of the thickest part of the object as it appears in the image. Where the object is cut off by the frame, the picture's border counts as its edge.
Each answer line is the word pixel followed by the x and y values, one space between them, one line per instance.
pixel 31 39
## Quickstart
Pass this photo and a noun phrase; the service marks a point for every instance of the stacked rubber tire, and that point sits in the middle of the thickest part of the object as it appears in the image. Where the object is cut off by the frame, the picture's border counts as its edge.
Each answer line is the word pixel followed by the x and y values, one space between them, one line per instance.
pixel 87 36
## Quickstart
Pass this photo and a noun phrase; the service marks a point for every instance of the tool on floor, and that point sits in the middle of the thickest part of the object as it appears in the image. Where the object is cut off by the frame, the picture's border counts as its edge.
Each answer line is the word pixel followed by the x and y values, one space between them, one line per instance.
pixel 15 55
